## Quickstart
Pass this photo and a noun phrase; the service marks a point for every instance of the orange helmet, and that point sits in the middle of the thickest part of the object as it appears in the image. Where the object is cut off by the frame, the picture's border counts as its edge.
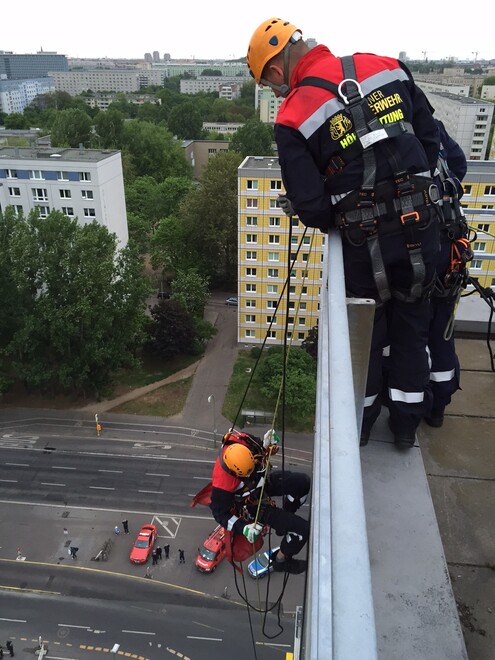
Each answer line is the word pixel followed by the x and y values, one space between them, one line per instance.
pixel 238 460
pixel 269 39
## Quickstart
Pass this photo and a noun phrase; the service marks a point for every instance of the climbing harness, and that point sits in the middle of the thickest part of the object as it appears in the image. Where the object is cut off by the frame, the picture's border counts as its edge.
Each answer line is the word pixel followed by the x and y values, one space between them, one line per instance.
pixel 403 204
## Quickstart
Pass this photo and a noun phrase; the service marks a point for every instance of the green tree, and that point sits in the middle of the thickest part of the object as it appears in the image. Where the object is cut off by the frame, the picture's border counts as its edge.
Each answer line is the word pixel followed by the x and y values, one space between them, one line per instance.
pixel 191 290
pixel 16 121
pixel 253 139
pixel 109 126
pixel 153 151
pixel 185 121
pixel 81 305
pixel 173 330
pixel 310 343
pixel 71 128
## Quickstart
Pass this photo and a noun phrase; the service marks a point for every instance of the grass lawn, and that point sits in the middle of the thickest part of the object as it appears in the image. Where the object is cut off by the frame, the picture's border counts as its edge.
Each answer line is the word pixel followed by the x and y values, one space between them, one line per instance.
pixel 163 402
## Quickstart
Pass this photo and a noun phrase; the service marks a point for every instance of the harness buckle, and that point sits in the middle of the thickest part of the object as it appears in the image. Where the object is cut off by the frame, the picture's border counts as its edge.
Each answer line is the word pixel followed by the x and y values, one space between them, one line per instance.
pixel 409 218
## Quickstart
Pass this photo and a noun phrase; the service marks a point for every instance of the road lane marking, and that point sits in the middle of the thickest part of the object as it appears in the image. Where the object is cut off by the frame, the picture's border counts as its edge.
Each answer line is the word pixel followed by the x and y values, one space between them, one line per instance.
pixel 155 474
pixel 13 620
pixel 62 467
pixel 139 632
pixel 203 478
pixel 206 639
pixel 48 483
pixel 72 625
pixel 153 492
pixel 115 471
pixel 102 488
pixel 9 481
pixel 18 464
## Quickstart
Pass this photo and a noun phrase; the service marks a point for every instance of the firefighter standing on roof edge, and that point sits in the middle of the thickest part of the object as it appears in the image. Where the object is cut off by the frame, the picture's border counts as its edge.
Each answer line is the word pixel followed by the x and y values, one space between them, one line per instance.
pixel 241 479
pixel 359 155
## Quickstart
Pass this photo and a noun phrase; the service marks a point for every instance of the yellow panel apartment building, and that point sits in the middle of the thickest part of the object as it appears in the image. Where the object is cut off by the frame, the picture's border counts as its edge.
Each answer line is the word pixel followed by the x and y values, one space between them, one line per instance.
pixel 263 254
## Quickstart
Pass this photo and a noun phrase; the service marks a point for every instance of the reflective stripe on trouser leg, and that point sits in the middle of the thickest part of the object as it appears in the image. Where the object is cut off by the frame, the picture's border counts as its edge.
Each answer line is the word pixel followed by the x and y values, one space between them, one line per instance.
pixel 293 528
pixel 373 395
pixel 445 370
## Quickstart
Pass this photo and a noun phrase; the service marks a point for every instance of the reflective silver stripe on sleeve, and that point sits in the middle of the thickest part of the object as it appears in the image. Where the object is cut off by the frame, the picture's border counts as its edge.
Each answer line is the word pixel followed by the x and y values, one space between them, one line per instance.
pixel 232 521
pixel 442 376
pixel 406 397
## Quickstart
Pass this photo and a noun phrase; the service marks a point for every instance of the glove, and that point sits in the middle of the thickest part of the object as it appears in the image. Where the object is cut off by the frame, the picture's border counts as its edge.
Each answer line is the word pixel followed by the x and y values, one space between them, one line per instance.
pixel 286 205
pixel 270 439
pixel 252 531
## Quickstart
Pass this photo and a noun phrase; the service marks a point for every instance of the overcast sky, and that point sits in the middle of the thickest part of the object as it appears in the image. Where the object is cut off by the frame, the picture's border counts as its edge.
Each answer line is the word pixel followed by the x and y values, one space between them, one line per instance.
pixel 222 28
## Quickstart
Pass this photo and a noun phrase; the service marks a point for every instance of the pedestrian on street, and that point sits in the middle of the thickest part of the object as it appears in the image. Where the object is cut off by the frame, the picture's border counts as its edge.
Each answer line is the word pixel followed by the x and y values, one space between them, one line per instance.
pixel 167 550
pixel 182 559
pixel 159 552
pixel 73 552
pixel 117 530
pixel 154 557
pixel 10 648
pixel 125 525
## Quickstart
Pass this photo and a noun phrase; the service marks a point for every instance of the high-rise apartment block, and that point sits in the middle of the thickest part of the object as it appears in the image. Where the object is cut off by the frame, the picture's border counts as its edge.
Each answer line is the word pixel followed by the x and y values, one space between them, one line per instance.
pixel 269 247
pixel 86 184
pixel 15 67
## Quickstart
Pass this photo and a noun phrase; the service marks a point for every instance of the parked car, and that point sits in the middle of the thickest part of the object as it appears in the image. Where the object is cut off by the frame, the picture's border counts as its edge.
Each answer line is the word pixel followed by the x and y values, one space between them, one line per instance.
pixel 212 551
pixel 163 295
pixel 231 301
pixel 143 545
pixel 260 566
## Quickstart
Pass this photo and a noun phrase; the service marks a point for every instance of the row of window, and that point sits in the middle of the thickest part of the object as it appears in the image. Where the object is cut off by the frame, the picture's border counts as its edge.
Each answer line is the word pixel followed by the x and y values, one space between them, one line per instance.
pixel 251 318
pixel 275 184
pixel 44 211
pixel 272 304
pixel 273 288
pixel 489 190
pixel 38 175
pixel 271 334
pixel 274 272
pixel 252 255
pixel 41 194
pixel 274 239
pixel 252 221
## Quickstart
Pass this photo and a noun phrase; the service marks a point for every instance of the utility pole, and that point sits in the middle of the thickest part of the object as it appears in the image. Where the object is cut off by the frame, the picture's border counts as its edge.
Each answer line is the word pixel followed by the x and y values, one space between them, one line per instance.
pixel 211 399
pixel 475 53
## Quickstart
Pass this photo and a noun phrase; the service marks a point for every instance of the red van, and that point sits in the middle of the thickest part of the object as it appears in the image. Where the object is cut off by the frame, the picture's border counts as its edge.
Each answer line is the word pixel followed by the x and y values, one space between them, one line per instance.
pixel 212 551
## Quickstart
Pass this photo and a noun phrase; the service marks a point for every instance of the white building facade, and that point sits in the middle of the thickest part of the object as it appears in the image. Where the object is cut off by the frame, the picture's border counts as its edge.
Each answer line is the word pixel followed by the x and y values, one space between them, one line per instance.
pixel 84 184
pixel 16 95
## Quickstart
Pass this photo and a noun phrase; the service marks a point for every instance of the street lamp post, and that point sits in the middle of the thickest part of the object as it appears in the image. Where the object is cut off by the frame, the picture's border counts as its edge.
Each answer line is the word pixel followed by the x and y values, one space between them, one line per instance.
pixel 211 399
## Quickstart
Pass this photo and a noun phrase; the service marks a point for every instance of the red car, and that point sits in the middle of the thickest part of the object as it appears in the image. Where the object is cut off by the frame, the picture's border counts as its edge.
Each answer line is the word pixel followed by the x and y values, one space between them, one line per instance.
pixel 143 545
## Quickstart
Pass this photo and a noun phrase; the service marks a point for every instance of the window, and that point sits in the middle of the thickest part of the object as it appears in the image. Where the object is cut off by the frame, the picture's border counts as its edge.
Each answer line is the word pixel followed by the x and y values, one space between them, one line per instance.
pixel 273 256
pixel 274 222
pixel 487 206
pixel 65 194
pixel 251 203
pixel 274 239
pixel 249 333
pixel 304 291
pixel 84 176
pixel 292 289
pixel 251 287
pixel 484 227
pixel 251 255
pixel 251 272
pixel 271 334
pixel 68 211
pixel 290 320
pixel 35 174
pixel 87 194
pixel 305 273
pixel 289 335
pixel 62 176
pixel 295 222
pixel 250 318
pixel 476 264
pixel 272 288
pixel 302 320
pixel 275 185
pixel 272 320
pixel 306 240
pixel 43 211
pixel 39 194
pixel 252 221
pixel 252 184
pixel 489 190
pixel 274 204
pixel 294 240
pixel 271 304
pixel 293 273
pixel 18 209
pixel 15 192
pixel 272 272
pixel 251 238
pixel 302 306
pixel 293 256
pixel 479 246
pixel 11 174
pixel 305 257
pixel 250 303
pixel 292 305
pixel 493 281
pixel 89 213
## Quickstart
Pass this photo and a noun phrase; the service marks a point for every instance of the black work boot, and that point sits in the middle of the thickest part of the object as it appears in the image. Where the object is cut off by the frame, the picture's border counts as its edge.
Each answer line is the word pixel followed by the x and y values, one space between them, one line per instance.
pixel 364 439
pixel 289 565
pixel 403 439
pixel 435 418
